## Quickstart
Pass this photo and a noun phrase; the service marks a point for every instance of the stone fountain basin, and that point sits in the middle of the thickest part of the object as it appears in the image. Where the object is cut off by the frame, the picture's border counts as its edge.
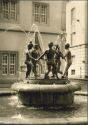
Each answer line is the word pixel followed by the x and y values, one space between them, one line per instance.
pixel 46 95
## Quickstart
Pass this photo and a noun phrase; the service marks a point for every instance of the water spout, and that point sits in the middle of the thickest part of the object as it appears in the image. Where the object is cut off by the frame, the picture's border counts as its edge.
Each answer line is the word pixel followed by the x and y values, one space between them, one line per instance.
pixel 36 29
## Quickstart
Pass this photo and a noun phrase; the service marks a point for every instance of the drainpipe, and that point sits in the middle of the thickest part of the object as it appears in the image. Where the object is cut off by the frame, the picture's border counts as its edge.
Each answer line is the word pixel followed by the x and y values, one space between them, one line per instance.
pixel 87 35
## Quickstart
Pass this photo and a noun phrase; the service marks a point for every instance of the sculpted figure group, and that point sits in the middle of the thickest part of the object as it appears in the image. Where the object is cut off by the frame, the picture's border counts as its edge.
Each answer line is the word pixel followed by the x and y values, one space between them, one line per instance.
pixel 53 60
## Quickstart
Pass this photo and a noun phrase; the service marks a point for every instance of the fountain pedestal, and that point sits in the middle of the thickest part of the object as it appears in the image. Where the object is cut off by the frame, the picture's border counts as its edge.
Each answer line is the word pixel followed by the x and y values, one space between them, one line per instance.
pixel 46 95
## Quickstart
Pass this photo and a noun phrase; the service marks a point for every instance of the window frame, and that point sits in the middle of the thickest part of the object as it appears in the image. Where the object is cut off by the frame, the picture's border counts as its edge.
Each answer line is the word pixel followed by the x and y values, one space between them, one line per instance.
pixel 16 11
pixel 73 72
pixel 40 14
pixel 4 64
pixel 16 63
pixel 73 19
pixel 12 64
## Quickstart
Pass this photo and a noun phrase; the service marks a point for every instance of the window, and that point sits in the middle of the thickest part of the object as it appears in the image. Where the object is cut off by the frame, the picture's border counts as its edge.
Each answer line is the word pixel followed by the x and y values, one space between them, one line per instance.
pixel 9 63
pixel 8 9
pixel 40 12
pixel 5 9
pixel 73 19
pixel 12 65
pixel 72 72
pixel 73 16
pixel 5 64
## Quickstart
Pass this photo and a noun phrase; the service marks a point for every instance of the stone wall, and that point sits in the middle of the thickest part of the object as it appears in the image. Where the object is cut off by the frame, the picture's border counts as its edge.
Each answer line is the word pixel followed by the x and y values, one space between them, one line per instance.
pixel 79 46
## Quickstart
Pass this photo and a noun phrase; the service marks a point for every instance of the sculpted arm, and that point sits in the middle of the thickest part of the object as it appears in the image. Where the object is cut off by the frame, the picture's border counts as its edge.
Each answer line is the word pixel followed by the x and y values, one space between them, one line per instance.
pixel 31 56
pixel 42 55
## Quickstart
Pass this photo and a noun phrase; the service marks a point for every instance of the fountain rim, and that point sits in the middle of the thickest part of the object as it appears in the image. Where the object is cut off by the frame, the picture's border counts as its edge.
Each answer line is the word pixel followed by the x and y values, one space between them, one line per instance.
pixel 46 88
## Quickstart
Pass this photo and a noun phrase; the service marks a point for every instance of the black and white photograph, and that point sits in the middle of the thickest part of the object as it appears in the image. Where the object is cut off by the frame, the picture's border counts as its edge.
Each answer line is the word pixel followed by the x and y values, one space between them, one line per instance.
pixel 43 62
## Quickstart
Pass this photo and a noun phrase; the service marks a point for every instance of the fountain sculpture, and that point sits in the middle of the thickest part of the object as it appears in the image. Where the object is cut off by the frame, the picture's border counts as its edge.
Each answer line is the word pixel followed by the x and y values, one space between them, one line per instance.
pixel 43 92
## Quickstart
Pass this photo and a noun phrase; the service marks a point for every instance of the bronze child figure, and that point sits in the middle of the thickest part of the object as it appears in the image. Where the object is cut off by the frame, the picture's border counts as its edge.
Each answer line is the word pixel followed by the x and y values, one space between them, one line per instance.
pixel 50 53
pixel 28 59
pixel 35 54
pixel 68 60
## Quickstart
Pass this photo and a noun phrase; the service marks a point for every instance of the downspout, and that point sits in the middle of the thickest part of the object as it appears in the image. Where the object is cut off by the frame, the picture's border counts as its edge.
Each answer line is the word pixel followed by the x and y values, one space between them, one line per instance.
pixel 86 38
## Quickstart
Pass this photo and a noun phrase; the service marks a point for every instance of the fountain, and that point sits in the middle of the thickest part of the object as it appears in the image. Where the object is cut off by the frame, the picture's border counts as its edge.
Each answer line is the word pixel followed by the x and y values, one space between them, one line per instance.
pixel 46 92
pixel 52 94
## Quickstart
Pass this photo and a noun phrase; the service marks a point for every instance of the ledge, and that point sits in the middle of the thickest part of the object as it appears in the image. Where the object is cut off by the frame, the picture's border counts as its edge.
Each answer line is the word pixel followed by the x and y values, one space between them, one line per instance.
pixel 78 79
pixel 18 30
pixel 46 88
pixel 44 121
pixel 7 93
pixel 81 93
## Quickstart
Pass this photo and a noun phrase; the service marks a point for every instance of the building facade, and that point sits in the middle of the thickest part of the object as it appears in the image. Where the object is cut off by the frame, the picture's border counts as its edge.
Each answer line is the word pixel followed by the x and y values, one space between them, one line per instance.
pixel 16 20
pixel 76 29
